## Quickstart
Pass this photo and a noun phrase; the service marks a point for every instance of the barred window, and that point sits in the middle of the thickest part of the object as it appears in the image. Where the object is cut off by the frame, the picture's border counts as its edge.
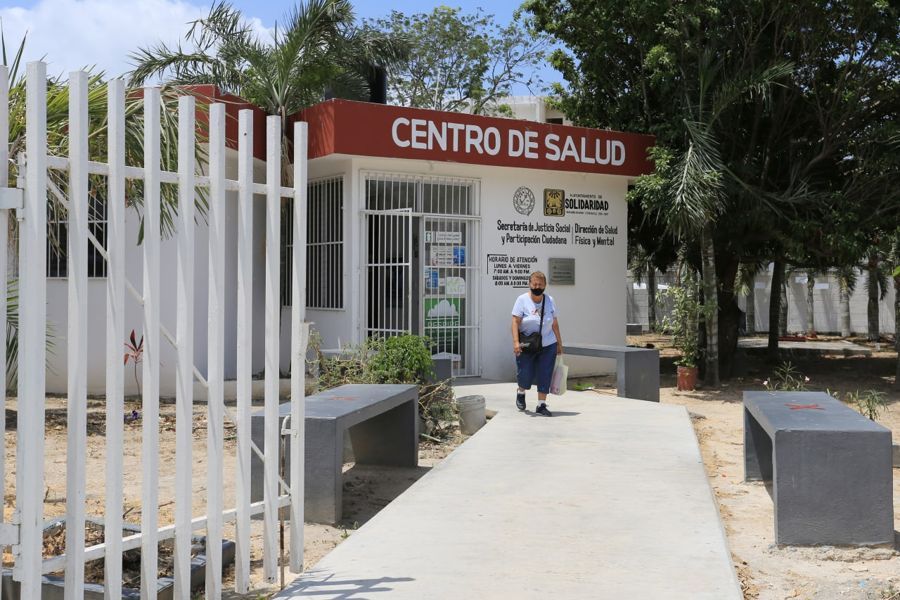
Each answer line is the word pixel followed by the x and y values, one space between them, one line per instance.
pixel 324 245
pixel 58 239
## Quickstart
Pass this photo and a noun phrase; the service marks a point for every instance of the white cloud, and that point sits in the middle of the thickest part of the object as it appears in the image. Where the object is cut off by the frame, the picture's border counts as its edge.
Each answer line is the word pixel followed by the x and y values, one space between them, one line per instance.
pixel 72 34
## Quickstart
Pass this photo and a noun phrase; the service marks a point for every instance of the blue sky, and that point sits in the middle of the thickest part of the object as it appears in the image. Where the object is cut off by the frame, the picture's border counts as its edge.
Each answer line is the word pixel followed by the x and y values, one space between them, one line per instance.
pixel 71 34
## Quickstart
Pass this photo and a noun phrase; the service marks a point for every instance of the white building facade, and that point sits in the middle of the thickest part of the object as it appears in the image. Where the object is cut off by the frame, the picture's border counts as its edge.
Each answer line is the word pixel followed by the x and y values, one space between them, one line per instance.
pixel 445 215
pixel 419 222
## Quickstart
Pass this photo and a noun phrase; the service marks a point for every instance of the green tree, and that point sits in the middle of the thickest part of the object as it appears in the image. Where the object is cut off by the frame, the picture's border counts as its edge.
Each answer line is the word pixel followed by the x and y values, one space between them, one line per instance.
pixel 787 161
pixel 462 62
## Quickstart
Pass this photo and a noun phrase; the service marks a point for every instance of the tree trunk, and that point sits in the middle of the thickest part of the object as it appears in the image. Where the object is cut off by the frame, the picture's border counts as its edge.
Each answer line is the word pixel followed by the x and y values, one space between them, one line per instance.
pixel 751 310
pixel 845 305
pixel 872 285
pixel 783 313
pixel 727 266
pixel 775 308
pixel 897 306
pixel 711 307
pixel 810 304
pixel 651 298
pixel 897 318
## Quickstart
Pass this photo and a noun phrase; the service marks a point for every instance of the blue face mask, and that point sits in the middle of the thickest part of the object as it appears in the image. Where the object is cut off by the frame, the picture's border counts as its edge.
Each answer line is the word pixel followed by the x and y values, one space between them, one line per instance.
pixel 537 291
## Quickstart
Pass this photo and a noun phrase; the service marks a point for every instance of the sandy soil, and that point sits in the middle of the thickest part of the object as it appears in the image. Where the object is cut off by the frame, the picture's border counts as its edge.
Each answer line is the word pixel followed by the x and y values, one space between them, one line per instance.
pixel 366 489
pixel 766 571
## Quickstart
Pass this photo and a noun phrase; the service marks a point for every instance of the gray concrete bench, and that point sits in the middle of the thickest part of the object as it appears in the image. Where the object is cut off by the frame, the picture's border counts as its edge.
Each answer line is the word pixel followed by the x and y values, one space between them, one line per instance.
pixel 830 468
pixel 382 421
pixel 637 369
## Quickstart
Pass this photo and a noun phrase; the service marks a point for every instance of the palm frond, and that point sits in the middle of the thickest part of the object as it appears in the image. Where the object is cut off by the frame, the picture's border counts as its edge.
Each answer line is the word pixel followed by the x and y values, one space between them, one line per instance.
pixel 696 186
pixel 757 84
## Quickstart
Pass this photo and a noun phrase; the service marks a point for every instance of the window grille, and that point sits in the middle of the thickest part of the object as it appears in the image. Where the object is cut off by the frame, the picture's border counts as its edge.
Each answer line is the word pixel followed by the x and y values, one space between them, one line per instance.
pixel 324 246
pixel 57 239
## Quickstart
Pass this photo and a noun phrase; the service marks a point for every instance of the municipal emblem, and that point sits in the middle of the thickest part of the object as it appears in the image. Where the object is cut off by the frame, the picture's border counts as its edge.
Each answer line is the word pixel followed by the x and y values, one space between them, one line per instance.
pixel 554 203
pixel 523 201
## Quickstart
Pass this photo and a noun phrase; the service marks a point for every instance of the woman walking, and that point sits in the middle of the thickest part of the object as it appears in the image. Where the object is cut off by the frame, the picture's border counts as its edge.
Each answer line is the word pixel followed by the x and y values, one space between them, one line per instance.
pixel 536 341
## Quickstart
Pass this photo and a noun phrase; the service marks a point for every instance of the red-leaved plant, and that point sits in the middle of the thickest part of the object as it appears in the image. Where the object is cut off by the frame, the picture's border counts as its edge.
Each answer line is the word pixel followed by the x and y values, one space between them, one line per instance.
pixel 135 352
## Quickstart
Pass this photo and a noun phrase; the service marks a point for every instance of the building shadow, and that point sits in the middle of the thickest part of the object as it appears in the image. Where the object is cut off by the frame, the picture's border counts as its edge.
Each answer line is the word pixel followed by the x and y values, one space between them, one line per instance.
pixel 369 488
pixel 312 584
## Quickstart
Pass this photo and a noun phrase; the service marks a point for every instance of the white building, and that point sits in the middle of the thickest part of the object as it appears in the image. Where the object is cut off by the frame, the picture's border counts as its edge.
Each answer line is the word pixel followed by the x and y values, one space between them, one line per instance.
pixel 431 222
pixel 419 221
pixel 535 108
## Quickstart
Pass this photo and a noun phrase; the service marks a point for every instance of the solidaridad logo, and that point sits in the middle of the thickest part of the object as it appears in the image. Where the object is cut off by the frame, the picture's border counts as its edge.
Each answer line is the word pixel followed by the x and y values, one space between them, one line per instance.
pixel 523 201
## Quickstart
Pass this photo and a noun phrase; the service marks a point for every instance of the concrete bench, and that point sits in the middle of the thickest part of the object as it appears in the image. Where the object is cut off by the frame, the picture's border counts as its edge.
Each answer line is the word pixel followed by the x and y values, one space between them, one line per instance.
pixel 637 369
pixel 382 421
pixel 830 468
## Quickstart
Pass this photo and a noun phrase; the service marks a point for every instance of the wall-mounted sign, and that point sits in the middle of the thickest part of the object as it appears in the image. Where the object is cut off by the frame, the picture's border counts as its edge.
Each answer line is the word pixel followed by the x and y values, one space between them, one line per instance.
pixel 561 271
pixel 410 133
pixel 523 201
pixel 554 203
pixel 445 237
pixel 510 271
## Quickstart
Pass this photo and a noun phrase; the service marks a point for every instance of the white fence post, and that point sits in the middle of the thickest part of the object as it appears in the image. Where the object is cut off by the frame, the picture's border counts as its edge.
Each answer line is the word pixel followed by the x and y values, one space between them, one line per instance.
pixel 184 393
pixel 4 240
pixel 150 372
pixel 115 337
pixel 76 442
pixel 216 359
pixel 244 348
pixel 299 339
pixel 273 301
pixel 32 332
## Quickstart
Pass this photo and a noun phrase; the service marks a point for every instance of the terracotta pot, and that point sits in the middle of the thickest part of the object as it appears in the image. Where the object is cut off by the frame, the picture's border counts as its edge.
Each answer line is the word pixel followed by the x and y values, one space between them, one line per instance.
pixel 687 379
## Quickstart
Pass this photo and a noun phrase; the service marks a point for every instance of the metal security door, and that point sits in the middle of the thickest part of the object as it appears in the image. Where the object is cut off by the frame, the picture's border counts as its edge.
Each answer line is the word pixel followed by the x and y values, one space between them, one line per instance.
pixel 389 270
pixel 450 299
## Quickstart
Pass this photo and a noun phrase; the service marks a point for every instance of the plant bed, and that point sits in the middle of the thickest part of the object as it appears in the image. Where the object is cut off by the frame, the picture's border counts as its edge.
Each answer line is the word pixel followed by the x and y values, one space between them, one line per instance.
pixel 52 587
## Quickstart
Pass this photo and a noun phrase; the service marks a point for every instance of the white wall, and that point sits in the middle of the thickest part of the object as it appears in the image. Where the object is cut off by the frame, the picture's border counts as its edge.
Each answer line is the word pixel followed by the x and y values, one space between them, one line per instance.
pixel 826 303
pixel 592 311
pixel 57 301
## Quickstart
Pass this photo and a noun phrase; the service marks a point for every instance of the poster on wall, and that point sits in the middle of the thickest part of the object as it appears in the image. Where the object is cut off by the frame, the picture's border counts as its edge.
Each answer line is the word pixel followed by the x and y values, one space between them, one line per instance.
pixel 455 286
pixel 443 317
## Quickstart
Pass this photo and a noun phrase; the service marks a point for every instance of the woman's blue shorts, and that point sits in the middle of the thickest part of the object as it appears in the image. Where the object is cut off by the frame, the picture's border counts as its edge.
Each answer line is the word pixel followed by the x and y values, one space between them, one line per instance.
pixel 537 367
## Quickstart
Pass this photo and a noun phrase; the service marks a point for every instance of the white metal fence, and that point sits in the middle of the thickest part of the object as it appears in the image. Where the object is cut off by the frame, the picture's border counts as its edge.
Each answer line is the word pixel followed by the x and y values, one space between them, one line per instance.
pixel 24 534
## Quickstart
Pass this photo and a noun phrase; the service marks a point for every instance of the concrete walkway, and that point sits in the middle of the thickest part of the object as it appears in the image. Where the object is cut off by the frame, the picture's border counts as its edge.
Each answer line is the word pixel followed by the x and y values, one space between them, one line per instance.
pixel 607 499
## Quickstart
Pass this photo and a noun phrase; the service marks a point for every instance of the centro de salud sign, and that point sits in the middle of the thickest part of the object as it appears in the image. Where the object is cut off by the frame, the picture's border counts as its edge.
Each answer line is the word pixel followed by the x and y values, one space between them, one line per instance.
pixel 366 129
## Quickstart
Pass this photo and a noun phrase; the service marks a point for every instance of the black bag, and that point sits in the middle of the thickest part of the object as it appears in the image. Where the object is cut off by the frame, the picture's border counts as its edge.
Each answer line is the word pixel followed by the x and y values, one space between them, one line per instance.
pixel 532 343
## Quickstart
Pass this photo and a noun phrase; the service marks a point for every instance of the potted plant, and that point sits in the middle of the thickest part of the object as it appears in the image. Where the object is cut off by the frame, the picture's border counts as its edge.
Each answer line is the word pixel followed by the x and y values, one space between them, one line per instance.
pixel 682 324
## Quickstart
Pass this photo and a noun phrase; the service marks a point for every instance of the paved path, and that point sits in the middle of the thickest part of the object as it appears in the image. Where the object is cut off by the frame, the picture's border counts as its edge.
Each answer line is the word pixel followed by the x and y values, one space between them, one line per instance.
pixel 607 499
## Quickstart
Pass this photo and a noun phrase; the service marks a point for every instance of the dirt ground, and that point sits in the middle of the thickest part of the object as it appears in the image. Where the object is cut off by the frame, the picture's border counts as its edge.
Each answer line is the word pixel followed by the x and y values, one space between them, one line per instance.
pixel 766 571
pixel 367 489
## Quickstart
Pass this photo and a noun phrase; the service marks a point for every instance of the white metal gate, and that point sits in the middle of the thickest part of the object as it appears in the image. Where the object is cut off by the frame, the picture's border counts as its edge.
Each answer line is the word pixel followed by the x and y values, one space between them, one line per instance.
pixel 422 258
pixel 25 532
pixel 389 251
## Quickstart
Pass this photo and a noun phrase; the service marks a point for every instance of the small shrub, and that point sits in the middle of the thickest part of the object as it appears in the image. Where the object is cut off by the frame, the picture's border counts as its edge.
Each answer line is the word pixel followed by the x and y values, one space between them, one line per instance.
pixel 870 403
pixel 786 379
pixel 397 359
pixel 401 359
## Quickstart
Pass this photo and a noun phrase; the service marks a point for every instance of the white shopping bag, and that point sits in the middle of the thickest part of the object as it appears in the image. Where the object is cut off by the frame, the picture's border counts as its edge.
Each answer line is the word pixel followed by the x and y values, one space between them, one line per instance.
pixel 560 374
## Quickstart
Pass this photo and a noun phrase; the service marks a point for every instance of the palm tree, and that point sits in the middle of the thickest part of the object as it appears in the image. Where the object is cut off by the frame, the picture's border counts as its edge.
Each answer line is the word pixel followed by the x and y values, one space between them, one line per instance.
pixel 58 144
pixel 319 53
pixel 697 183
